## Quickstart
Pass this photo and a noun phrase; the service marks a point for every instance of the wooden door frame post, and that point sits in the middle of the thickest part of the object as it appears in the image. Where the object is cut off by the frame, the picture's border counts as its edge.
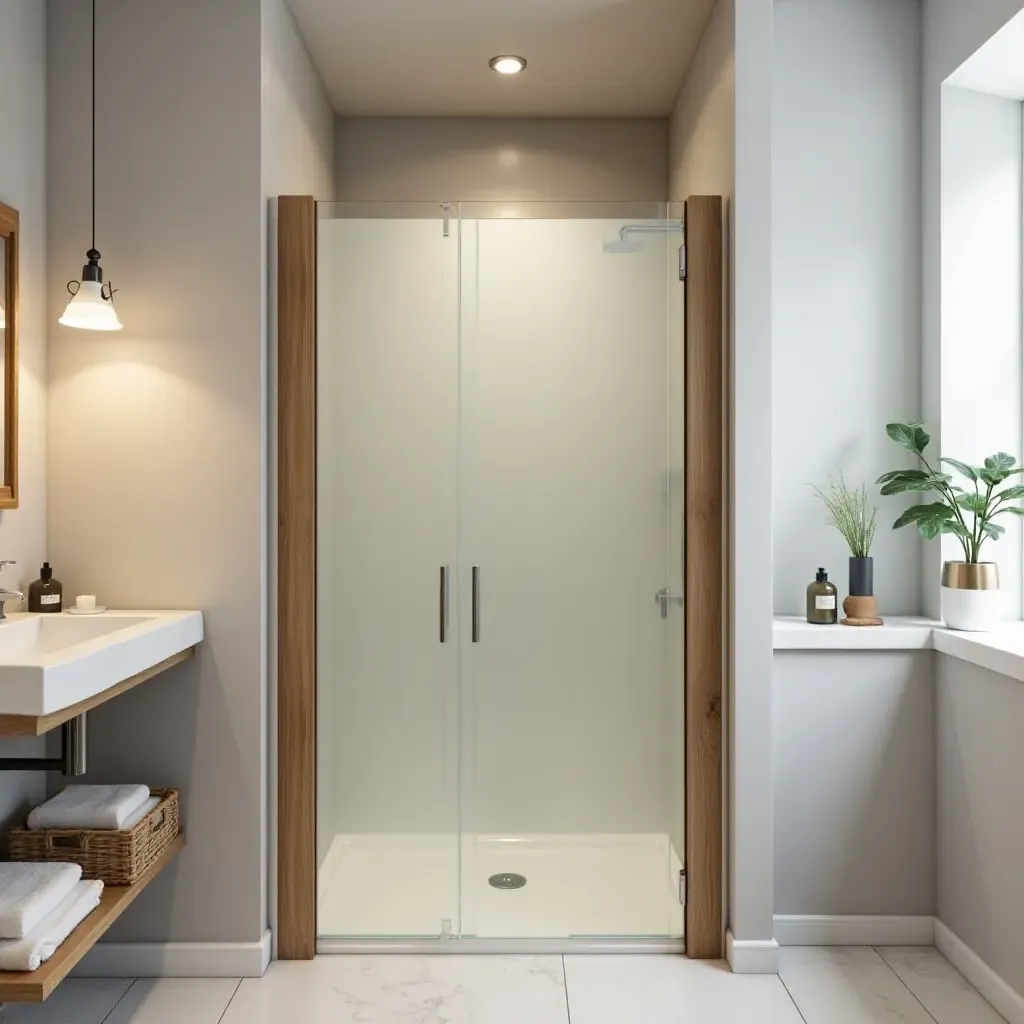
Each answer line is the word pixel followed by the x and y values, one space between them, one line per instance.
pixel 296 578
pixel 704 577
pixel 704 585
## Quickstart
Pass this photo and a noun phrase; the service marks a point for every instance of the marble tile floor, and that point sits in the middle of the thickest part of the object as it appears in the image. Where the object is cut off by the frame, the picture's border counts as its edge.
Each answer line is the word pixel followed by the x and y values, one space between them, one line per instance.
pixel 838 985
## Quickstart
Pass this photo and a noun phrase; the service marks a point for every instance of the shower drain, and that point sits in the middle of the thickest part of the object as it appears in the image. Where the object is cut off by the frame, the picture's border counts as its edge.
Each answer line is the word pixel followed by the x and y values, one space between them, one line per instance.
pixel 507 880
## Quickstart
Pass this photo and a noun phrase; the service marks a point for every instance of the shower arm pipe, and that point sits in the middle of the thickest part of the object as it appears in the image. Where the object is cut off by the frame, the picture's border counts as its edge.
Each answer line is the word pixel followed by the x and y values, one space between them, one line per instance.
pixel 630 229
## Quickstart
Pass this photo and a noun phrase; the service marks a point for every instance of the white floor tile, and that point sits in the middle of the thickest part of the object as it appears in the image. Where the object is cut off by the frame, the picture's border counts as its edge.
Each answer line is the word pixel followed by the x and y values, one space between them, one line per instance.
pixel 945 992
pixel 671 990
pixel 405 990
pixel 847 985
pixel 76 1001
pixel 174 1001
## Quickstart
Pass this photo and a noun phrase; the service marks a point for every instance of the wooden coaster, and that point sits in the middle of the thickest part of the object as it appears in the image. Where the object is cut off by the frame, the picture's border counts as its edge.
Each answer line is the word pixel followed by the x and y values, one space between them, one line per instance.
pixel 862 622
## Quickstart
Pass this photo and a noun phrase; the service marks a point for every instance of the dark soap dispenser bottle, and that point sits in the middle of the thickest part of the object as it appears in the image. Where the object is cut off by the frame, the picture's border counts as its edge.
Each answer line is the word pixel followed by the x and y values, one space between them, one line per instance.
pixel 822 601
pixel 46 594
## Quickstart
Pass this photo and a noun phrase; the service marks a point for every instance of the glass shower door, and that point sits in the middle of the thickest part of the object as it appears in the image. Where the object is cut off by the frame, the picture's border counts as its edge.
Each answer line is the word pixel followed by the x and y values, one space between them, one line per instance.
pixel 572 675
pixel 387 652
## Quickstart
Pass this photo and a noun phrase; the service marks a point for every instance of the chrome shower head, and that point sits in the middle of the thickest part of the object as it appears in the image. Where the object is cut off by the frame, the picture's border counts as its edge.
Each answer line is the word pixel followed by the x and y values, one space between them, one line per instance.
pixel 625 244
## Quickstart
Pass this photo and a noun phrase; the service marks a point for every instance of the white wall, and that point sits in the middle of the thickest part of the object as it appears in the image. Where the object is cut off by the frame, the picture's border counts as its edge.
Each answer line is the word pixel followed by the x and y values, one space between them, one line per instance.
pixel 501 158
pixel 980 719
pixel 750 648
pixel 702 127
pixel 23 186
pixel 854 782
pixel 846 327
pixel 953 30
pixel 981 341
pixel 157 462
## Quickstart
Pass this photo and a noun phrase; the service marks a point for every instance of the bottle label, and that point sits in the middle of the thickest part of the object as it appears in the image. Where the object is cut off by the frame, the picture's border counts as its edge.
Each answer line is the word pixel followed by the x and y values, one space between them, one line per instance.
pixel 825 602
pixel 49 599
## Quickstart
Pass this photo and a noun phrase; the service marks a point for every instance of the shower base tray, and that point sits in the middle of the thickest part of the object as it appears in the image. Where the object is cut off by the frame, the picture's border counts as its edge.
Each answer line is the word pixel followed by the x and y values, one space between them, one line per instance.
pixel 580 888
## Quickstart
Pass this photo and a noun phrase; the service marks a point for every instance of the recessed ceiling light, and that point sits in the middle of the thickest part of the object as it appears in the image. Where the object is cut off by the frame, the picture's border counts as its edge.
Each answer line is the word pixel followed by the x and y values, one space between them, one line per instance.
pixel 507 64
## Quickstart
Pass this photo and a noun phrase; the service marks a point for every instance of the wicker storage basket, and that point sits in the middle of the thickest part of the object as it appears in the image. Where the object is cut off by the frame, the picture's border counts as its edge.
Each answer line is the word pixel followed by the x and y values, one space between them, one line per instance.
pixel 117 857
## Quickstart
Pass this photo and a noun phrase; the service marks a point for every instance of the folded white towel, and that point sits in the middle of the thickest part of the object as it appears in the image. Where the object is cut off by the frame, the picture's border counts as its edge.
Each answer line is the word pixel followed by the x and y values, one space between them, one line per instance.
pixel 43 941
pixel 30 891
pixel 136 816
pixel 89 807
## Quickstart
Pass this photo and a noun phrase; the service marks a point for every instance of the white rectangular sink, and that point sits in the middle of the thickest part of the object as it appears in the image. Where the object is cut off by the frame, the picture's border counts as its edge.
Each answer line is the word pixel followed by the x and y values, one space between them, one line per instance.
pixel 49 662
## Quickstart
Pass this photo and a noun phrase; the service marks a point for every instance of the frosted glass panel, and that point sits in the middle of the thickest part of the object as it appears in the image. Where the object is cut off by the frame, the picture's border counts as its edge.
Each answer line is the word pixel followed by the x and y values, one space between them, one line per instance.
pixel 387 383
pixel 572 697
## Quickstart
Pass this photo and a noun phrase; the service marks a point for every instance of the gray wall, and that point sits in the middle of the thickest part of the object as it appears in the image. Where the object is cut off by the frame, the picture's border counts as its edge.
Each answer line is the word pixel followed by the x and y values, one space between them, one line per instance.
pixel 702 161
pixel 846 312
pixel 750 530
pixel 702 149
pixel 297 158
pixel 23 186
pixel 980 718
pixel 298 119
pixel 157 463
pixel 501 158
pixel 854 782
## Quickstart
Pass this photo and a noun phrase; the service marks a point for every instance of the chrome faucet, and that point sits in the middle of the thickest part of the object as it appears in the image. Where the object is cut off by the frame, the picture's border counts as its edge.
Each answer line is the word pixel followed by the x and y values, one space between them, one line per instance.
pixel 8 595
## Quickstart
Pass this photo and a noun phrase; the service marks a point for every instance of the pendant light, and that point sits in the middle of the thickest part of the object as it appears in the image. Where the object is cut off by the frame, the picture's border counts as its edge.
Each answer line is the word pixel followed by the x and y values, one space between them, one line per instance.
pixel 92 302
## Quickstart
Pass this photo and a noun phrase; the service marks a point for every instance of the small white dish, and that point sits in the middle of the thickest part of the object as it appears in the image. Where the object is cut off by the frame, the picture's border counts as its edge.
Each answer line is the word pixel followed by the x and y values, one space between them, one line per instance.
pixel 99 609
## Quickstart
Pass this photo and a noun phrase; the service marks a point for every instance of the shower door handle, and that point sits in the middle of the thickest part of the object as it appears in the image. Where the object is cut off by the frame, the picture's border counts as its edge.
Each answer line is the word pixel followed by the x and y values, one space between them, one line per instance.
pixel 476 604
pixel 665 597
pixel 443 601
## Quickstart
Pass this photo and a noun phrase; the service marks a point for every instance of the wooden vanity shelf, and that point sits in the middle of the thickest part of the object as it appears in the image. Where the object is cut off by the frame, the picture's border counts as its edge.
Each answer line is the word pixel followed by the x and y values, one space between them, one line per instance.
pixel 36 725
pixel 36 986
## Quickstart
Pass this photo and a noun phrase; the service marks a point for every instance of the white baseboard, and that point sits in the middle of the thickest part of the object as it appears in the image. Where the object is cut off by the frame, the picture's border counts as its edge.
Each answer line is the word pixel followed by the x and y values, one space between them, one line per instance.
pixel 1005 999
pixel 752 956
pixel 853 930
pixel 176 959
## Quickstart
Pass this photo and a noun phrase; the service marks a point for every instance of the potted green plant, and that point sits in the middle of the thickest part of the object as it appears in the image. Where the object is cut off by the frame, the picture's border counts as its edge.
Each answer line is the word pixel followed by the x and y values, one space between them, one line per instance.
pixel 853 515
pixel 971 599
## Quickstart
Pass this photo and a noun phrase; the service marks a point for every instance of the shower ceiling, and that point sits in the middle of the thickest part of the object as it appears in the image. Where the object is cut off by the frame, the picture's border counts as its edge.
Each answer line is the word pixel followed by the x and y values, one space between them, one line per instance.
pixel 587 58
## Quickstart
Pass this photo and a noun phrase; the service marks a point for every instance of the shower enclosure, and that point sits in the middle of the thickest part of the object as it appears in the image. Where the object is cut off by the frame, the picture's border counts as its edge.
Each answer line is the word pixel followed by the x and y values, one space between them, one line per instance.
pixel 499 477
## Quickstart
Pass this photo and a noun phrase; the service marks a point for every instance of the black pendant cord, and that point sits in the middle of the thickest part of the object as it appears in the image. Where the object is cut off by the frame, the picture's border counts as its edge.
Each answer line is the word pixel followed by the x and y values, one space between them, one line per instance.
pixel 94 124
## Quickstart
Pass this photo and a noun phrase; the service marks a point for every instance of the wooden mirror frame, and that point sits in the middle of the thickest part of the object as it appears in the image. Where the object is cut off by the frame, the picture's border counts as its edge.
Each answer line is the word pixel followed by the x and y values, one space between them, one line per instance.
pixel 9 231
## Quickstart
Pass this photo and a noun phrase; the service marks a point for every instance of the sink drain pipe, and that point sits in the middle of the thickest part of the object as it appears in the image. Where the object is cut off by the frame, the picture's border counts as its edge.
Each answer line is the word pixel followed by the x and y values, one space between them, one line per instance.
pixel 72 761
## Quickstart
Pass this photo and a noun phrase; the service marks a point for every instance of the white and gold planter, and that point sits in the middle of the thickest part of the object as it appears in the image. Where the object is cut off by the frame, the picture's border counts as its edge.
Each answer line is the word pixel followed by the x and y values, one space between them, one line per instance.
pixel 971 598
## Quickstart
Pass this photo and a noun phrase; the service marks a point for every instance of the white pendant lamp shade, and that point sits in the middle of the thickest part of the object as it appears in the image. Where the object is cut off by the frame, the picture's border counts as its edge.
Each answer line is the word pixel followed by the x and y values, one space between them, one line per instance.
pixel 3 318
pixel 91 310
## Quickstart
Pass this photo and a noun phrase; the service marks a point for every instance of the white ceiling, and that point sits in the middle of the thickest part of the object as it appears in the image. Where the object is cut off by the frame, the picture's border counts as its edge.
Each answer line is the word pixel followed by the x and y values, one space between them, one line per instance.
pixel 586 58
pixel 998 67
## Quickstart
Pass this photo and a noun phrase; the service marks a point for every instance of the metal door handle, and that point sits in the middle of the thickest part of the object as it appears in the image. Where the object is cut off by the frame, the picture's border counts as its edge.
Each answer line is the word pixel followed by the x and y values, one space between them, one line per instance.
pixel 476 604
pixel 665 597
pixel 443 600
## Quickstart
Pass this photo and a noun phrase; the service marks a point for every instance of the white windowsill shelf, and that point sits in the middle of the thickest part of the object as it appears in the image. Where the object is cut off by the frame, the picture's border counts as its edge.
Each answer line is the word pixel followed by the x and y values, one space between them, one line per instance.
pixel 1001 651
pixel 900 633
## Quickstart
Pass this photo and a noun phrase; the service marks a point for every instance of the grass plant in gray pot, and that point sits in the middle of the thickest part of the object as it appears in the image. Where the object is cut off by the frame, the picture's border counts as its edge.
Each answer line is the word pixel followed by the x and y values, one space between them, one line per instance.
pixel 853 515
